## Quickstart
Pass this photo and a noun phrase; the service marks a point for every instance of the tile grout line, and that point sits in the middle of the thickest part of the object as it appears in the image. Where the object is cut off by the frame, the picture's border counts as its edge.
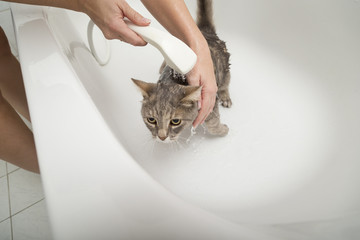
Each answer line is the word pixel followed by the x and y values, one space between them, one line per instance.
pixel 5 165
pixel 8 185
pixel 28 207
pixel 12 170
pixel 3 176
pixel 4 220
pixel 11 214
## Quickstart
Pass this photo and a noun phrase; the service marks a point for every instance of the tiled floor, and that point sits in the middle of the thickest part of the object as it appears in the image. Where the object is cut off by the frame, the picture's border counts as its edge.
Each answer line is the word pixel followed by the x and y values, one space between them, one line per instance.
pixel 23 214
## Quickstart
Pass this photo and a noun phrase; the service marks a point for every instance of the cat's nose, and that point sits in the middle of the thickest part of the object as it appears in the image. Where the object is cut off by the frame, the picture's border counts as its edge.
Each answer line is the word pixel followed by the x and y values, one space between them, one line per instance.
pixel 162 138
pixel 162 134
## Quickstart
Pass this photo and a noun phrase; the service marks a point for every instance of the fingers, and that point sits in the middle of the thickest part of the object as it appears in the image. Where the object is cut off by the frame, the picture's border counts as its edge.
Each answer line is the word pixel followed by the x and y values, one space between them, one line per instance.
pixel 207 101
pixel 203 75
pixel 207 105
pixel 124 33
pixel 134 16
pixel 119 30
pixel 110 19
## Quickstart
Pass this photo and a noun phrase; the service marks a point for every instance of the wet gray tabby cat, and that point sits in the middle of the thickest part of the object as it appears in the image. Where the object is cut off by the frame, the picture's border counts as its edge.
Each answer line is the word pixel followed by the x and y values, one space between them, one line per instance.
pixel 171 105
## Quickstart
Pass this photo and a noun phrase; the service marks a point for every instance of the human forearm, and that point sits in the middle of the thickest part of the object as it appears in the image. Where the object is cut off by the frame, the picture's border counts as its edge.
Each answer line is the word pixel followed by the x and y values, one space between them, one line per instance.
pixel 108 15
pixel 175 17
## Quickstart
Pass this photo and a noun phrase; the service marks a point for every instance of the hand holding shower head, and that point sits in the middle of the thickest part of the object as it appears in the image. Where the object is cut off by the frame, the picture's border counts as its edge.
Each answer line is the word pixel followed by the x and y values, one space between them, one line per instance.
pixel 176 53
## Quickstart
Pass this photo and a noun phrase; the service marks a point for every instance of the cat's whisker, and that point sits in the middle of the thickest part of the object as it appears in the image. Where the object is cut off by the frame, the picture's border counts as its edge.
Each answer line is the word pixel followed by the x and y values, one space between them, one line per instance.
pixel 184 139
pixel 178 144
pixel 147 143
pixel 147 140
pixel 154 143
pixel 172 145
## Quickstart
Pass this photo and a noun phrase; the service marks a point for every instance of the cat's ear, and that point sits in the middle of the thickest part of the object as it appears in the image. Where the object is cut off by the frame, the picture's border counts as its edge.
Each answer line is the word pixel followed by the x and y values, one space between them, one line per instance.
pixel 192 94
pixel 145 88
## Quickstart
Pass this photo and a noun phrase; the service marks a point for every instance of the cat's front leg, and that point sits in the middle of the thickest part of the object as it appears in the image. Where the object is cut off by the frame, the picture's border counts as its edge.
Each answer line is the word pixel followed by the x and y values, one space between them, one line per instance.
pixel 223 92
pixel 224 98
pixel 213 124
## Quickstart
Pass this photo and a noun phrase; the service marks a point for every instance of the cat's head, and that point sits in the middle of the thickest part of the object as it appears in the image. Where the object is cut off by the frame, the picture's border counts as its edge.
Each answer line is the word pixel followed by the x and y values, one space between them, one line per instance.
pixel 168 109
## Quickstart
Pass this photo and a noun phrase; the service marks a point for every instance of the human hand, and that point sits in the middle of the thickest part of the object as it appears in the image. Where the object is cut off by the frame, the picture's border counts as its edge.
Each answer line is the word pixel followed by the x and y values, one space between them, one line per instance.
pixel 109 15
pixel 203 75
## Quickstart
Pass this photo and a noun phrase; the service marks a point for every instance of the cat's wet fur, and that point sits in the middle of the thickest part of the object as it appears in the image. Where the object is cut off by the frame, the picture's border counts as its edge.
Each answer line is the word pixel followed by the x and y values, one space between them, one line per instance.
pixel 171 105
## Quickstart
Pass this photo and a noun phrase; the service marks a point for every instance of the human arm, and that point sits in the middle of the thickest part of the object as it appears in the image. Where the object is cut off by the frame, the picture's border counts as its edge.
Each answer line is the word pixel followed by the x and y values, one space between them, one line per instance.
pixel 175 17
pixel 107 15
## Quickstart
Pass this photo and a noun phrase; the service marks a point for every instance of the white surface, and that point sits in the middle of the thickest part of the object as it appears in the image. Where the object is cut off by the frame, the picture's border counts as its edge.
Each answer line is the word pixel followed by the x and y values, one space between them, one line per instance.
pixel 291 154
pixel 7 26
pixel 4 6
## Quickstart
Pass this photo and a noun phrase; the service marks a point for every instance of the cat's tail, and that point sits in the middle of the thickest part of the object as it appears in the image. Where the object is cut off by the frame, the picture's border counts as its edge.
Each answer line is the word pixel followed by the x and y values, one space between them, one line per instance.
pixel 205 14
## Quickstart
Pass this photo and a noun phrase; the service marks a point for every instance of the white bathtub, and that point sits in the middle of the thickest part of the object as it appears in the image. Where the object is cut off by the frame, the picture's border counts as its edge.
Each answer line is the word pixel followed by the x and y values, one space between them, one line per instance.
pixel 289 168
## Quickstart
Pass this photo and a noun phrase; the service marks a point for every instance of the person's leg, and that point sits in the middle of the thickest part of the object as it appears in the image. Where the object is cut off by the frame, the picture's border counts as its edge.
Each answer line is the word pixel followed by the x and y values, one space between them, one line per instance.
pixel 16 140
pixel 11 82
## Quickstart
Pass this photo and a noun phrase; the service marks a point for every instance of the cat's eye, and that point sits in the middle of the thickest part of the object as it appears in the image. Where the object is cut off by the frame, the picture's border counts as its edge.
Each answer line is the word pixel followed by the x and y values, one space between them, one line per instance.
pixel 175 122
pixel 151 120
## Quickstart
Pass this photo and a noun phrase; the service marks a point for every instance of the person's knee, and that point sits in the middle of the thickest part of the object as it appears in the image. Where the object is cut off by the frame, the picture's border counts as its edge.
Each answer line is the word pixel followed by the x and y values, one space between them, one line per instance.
pixel 4 44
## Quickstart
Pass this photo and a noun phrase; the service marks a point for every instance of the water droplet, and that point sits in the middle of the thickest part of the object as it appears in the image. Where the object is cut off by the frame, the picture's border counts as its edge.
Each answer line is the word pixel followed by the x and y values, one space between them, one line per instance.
pixel 204 128
pixel 192 133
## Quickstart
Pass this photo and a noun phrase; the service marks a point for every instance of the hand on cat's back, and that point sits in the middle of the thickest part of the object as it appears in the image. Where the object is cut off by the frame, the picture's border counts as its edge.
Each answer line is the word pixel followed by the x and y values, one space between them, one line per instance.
pixel 203 75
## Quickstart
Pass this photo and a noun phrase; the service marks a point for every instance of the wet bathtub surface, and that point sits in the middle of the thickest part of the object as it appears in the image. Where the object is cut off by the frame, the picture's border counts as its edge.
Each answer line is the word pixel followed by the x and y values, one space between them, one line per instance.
pixel 292 126
pixel 292 151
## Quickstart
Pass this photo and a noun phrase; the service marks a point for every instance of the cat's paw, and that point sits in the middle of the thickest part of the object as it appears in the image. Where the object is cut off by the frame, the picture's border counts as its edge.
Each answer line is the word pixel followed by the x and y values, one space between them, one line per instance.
pixel 226 102
pixel 221 130
pixel 224 98
pixel 224 130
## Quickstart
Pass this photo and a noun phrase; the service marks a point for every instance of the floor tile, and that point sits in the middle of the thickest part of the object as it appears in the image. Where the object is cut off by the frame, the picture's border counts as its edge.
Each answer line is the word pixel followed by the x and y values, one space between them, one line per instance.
pixel 2 168
pixel 5 230
pixel 11 167
pixel 32 223
pixel 4 199
pixel 25 189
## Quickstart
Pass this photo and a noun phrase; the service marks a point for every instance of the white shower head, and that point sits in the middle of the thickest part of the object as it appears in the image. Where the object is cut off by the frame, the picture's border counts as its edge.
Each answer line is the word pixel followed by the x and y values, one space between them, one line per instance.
pixel 176 53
